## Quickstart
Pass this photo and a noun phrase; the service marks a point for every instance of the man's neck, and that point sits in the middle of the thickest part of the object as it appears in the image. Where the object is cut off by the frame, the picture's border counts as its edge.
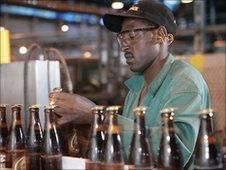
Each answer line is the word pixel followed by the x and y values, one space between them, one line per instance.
pixel 151 72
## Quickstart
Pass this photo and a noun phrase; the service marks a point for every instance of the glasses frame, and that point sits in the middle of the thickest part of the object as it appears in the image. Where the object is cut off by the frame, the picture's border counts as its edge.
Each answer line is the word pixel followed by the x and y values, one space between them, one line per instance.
pixel 131 32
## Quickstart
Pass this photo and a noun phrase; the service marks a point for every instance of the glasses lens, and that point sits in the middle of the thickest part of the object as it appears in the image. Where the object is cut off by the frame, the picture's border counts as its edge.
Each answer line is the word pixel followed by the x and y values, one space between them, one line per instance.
pixel 131 34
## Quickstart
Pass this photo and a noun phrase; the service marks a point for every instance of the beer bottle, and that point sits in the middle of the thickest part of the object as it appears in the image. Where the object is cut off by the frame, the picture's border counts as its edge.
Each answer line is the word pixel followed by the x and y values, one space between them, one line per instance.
pixel 51 158
pixel 169 157
pixel 140 151
pixel 113 154
pixel 207 153
pixel 34 140
pixel 3 136
pixel 16 150
pixel 97 137
pixel 224 149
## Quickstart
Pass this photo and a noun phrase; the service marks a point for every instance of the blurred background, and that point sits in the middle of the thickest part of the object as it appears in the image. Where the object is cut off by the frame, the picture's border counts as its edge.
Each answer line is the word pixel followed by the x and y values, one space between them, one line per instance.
pixel 96 66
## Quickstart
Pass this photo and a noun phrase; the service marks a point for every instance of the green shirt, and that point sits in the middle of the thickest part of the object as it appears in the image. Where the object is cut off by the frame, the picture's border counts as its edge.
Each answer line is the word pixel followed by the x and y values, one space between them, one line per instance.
pixel 178 85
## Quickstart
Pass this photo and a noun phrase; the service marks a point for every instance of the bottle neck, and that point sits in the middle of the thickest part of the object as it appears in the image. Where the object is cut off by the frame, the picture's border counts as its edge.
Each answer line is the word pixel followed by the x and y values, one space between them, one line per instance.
pixel 16 118
pixel 112 120
pixel 49 117
pixel 34 117
pixel 51 140
pixel 167 125
pixel 97 119
pixel 2 115
pixel 139 123
pixel 206 126
pixel 113 127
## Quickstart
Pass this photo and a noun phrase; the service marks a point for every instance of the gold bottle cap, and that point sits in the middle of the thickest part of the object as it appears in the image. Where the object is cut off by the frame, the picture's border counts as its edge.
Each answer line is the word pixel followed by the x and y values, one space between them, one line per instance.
pixel 140 110
pixel 35 106
pixel 98 107
pixel 168 110
pixel 3 105
pixel 57 90
pixel 16 105
pixel 113 108
pixel 207 111
pixel 49 106
pixel 168 113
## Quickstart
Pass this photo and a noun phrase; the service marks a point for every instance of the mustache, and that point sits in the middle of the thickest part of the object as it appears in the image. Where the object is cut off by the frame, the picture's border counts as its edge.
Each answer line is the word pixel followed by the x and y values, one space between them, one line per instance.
pixel 128 55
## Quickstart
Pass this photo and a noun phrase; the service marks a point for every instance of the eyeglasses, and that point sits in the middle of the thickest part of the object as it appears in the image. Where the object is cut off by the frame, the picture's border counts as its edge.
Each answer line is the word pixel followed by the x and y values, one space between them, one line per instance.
pixel 128 35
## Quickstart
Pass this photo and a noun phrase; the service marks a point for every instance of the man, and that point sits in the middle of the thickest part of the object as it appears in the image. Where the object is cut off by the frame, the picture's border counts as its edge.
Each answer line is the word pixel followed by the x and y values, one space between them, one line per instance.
pixel 144 33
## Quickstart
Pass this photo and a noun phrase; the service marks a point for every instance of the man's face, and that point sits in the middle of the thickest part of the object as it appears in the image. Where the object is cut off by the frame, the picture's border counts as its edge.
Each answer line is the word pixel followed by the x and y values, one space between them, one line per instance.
pixel 139 46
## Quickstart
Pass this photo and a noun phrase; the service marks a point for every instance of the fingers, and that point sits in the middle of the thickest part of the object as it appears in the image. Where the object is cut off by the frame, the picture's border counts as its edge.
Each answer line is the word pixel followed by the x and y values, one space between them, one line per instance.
pixel 67 119
pixel 64 110
pixel 60 99
pixel 62 96
pixel 64 120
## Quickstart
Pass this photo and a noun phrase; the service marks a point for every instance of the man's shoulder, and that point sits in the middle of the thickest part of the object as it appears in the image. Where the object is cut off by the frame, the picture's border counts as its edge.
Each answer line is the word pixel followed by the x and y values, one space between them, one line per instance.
pixel 186 77
pixel 182 69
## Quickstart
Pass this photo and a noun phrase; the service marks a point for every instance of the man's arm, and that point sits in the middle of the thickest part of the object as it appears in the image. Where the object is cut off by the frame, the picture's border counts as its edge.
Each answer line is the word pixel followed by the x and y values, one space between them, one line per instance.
pixel 72 107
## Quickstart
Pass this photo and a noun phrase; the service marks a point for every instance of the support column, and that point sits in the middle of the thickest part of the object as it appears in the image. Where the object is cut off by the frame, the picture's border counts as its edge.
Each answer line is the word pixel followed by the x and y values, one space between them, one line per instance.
pixel 200 21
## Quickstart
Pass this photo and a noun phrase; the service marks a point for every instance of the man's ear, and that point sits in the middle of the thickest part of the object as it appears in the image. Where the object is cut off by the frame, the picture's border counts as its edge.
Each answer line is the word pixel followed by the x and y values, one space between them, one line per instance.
pixel 170 38
pixel 161 34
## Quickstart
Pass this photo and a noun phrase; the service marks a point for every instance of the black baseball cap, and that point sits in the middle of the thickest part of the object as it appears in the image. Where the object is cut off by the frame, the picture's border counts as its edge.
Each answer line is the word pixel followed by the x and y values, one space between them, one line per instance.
pixel 150 10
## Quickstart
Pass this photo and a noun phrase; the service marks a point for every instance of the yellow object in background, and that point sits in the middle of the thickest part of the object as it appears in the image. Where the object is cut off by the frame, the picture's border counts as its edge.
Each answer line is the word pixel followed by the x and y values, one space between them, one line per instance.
pixel 4 46
pixel 197 60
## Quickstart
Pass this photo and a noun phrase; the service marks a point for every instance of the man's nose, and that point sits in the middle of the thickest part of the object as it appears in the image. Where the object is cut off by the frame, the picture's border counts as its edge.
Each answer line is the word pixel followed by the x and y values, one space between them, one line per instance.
pixel 124 47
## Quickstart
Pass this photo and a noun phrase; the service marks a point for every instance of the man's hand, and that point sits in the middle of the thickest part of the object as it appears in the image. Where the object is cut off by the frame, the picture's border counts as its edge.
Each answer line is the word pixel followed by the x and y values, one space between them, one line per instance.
pixel 72 107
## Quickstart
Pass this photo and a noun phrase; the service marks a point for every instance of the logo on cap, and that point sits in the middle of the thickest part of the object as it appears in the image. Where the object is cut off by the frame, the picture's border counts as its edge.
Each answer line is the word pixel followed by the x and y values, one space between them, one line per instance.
pixel 134 8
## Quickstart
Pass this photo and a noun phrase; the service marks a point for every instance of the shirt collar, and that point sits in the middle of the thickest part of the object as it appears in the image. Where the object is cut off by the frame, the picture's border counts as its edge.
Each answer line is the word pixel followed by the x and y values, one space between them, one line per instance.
pixel 135 83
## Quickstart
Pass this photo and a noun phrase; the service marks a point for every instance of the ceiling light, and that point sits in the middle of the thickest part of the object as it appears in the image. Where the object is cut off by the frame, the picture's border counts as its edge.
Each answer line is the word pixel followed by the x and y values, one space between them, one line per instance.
pixel 87 54
pixel 186 1
pixel 64 28
pixel 22 50
pixel 117 5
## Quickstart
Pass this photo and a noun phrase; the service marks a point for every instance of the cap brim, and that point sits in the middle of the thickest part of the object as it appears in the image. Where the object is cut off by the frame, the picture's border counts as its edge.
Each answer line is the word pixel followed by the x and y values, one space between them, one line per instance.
pixel 113 21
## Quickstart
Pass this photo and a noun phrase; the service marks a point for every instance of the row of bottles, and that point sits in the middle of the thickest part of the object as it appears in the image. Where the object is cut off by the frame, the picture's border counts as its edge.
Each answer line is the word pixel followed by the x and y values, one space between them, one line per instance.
pixel 40 151
pixel 37 151
pixel 106 150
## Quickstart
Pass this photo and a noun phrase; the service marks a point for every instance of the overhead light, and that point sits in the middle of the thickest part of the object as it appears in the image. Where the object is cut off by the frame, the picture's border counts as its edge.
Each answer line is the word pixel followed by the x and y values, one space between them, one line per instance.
pixel 64 28
pixel 117 5
pixel 186 1
pixel 22 50
pixel 87 54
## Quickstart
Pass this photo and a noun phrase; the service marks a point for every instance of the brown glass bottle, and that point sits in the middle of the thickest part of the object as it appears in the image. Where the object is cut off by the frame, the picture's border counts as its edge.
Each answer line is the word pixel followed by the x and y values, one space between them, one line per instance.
pixel 169 157
pixel 97 137
pixel 34 140
pixel 207 153
pixel 224 149
pixel 51 158
pixel 3 136
pixel 140 150
pixel 114 153
pixel 16 149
